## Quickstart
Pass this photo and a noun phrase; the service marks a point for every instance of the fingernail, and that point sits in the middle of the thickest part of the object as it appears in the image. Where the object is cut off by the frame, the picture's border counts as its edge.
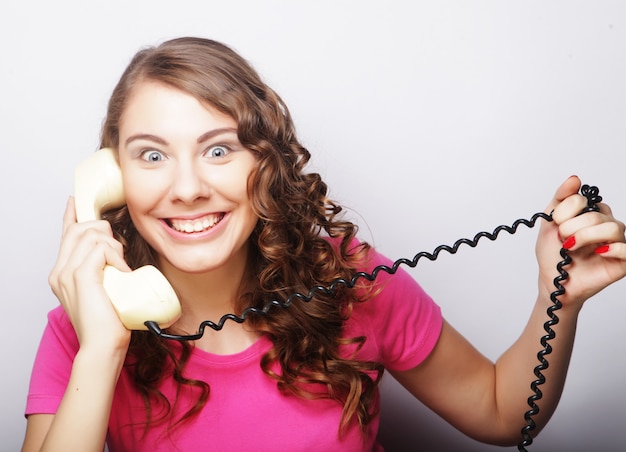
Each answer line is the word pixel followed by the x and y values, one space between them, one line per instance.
pixel 601 249
pixel 569 243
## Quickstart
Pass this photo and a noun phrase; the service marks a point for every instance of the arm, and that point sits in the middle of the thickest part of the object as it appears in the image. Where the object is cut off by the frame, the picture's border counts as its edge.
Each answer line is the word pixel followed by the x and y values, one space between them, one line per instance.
pixel 81 421
pixel 486 400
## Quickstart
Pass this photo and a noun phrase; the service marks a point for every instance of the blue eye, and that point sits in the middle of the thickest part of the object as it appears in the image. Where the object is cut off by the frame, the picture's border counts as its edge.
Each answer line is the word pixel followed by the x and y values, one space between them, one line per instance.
pixel 217 151
pixel 152 156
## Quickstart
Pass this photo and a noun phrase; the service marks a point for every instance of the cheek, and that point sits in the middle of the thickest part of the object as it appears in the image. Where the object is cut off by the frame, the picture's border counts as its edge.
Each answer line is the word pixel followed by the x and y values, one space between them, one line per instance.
pixel 233 183
pixel 141 192
pixel 131 192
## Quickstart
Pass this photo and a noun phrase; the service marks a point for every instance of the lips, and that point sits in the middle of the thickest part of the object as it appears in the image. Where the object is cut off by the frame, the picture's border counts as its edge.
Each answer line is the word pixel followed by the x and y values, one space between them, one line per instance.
pixel 191 226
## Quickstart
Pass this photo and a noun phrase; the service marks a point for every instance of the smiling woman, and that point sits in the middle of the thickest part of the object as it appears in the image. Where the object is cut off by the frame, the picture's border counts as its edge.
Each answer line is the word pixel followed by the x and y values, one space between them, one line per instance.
pixel 219 199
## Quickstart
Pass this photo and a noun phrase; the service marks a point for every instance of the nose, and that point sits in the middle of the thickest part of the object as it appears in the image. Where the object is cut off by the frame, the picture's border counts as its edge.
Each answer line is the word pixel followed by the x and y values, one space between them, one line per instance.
pixel 189 183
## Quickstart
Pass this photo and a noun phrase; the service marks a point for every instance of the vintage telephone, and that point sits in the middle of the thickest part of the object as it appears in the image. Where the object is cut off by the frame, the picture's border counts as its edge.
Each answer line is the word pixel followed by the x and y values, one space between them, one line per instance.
pixel 139 296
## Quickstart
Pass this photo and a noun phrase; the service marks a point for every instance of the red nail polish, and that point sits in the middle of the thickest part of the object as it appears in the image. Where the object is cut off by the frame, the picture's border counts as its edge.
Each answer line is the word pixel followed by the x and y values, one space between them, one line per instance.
pixel 601 249
pixel 569 243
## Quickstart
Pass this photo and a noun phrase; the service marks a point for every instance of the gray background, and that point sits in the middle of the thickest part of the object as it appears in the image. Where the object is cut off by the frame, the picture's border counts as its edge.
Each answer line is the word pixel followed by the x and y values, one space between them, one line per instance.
pixel 429 120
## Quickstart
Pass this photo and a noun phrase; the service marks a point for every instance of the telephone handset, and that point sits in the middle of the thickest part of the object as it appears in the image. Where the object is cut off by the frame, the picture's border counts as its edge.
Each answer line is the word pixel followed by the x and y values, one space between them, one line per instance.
pixel 141 295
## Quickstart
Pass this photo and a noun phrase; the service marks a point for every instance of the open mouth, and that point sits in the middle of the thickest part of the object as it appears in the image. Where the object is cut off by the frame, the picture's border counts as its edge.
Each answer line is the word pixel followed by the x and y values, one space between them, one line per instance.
pixel 196 225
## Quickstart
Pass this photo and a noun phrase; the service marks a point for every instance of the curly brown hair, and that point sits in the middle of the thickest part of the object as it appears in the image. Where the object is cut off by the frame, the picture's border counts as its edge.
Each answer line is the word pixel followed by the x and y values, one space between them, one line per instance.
pixel 290 246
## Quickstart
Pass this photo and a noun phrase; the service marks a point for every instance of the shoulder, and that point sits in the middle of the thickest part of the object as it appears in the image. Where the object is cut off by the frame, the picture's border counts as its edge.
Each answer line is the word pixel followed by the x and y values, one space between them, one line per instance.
pixel 400 321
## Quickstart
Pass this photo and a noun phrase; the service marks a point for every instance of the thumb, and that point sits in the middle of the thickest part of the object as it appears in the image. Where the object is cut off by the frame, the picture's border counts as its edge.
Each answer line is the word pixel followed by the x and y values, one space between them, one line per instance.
pixel 568 188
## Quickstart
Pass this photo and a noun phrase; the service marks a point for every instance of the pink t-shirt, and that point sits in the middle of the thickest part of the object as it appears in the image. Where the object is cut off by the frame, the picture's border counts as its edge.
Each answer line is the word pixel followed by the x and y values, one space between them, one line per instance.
pixel 245 410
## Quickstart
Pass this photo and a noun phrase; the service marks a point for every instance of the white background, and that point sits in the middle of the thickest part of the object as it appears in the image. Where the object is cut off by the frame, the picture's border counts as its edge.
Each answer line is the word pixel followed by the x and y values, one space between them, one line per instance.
pixel 430 120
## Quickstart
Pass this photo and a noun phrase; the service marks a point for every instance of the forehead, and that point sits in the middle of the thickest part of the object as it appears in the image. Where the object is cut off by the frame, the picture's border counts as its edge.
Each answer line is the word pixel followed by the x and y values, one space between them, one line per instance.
pixel 153 104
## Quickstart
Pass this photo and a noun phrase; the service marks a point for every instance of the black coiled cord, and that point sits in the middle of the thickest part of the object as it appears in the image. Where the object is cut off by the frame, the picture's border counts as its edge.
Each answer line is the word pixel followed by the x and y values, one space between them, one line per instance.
pixel 593 197
pixel 349 283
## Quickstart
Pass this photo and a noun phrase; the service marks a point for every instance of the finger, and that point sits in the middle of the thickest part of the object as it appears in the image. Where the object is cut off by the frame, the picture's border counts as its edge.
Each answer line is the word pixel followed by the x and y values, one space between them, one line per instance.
pixel 80 236
pixel 615 250
pixel 85 271
pixel 115 257
pixel 80 240
pixel 570 227
pixel 569 208
pixel 568 188
pixel 100 242
pixel 69 216
pixel 599 234
pixel 605 209
pixel 86 264
pixel 92 263
pixel 85 297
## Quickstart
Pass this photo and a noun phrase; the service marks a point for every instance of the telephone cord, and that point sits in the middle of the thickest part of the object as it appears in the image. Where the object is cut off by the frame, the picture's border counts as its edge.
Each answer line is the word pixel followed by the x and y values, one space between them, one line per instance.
pixel 593 197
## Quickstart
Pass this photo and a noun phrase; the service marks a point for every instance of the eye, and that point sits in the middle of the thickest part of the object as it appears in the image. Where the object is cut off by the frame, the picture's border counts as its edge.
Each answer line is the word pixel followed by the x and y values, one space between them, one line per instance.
pixel 151 155
pixel 217 151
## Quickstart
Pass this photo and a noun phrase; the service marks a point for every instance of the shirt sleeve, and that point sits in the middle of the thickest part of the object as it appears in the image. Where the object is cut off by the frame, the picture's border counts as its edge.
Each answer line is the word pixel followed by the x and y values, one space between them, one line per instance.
pixel 53 364
pixel 401 321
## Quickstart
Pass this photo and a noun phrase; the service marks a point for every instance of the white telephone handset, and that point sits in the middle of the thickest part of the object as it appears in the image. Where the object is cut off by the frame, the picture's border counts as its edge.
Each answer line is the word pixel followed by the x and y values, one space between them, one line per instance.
pixel 137 296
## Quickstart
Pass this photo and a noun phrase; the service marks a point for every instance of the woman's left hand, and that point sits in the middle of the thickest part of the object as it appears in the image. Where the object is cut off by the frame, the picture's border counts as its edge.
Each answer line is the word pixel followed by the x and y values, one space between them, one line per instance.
pixel 594 240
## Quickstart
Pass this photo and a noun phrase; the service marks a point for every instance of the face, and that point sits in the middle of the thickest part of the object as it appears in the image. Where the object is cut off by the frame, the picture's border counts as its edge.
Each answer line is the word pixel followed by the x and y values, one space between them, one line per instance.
pixel 185 179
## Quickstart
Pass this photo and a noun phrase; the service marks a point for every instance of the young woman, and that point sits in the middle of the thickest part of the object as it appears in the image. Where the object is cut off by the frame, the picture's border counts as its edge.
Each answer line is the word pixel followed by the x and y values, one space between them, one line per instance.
pixel 219 200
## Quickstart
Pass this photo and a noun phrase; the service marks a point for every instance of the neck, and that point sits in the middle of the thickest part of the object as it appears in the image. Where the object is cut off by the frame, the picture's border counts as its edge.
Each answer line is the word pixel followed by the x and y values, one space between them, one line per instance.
pixel 208 296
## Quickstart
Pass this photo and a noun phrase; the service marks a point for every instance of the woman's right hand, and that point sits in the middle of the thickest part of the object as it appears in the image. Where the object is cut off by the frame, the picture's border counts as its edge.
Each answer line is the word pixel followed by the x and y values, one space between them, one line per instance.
pixel 76 280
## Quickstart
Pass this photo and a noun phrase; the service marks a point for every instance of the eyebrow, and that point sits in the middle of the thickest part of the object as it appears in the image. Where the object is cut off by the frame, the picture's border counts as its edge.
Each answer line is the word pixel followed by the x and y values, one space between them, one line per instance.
pixel 215 132
pixel 201 139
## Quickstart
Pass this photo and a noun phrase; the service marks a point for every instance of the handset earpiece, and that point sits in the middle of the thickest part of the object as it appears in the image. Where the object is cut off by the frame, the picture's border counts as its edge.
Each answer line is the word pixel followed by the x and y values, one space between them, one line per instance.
pixel 141 295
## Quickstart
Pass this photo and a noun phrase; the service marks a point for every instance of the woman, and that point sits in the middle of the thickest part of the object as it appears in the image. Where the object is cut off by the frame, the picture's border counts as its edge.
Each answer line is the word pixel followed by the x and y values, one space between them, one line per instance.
pixel 219 200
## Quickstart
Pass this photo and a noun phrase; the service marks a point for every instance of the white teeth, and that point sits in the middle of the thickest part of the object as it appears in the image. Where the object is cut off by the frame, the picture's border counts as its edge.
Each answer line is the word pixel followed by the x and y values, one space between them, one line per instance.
pixel 197 225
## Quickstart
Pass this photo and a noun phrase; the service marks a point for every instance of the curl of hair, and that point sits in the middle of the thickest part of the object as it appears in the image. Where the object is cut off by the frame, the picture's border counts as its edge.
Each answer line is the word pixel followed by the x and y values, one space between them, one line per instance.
pixel 299 241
